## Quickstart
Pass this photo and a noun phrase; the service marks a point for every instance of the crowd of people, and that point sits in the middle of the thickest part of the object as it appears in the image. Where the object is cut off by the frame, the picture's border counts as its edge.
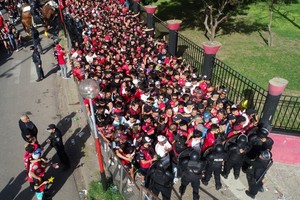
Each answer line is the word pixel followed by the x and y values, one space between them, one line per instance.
pixel 162 119
pixel 153 107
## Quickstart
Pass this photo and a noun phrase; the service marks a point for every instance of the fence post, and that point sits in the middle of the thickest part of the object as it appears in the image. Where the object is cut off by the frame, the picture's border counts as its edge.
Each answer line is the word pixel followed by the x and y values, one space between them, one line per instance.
pixel 276 88
pixel 210 51
pixel 150 22
pixel 173 26
pixel 136 6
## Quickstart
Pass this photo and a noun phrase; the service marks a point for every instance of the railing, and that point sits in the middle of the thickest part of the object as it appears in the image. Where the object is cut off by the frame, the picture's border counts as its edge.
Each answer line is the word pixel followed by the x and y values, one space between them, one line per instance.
pixel 120 176
pixel 239 86
pixel 287 116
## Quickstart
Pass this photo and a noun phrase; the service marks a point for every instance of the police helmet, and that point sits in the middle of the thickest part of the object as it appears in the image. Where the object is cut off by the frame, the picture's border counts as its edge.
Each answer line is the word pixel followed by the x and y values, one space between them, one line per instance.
pixel 194 155
pixel 219 148
pixel 242 138
pixel 263 132
pixel 266 155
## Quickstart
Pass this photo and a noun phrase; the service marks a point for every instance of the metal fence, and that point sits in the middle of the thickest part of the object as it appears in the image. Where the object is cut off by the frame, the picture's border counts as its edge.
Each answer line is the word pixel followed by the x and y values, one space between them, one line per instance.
pixel 128 188
pixel 287 116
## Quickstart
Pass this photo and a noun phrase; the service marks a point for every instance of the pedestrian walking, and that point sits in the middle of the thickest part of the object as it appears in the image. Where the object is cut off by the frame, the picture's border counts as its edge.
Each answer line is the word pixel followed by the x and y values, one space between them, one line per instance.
pixel 55 140
pixel 36 58
pixel 192 174
pixel 28 128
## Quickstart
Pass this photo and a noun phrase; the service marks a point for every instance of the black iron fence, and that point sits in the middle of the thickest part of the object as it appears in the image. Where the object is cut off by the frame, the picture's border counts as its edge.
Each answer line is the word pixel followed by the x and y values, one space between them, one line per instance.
pixel 287 116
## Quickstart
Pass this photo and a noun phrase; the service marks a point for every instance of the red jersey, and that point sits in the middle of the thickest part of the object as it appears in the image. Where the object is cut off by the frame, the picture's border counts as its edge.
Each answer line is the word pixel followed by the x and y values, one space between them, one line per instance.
pixel 61 57
pixel 145 155
pixel 209 141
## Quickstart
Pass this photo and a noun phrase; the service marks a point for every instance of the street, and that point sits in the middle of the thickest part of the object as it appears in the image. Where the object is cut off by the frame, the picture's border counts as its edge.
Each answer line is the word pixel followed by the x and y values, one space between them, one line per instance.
pixel 20 93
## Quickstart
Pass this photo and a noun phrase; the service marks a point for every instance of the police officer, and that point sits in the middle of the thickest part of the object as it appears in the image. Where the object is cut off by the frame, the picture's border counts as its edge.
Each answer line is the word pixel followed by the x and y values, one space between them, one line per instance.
pixel 161 179
pixel 215 162
pixel 55 140
pixel 256 172
pixel 193 174
pixel 35 35
pixel 36 58
pixel 35 11
pixel 236 155
pixel 260 142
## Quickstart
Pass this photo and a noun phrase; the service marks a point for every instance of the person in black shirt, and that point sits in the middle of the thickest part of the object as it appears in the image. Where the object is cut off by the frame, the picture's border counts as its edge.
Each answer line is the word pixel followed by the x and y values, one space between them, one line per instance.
pixel 36 58
pixel 28 128
pixel 55 140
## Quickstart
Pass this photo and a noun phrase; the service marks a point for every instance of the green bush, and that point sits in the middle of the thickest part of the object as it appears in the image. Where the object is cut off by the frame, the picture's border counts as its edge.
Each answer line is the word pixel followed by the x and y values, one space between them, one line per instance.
pixel 96 192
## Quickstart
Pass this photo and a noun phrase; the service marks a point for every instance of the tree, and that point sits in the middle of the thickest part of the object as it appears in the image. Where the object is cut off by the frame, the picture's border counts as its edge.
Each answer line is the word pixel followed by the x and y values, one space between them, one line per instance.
pixel 271 9
pixel 216 12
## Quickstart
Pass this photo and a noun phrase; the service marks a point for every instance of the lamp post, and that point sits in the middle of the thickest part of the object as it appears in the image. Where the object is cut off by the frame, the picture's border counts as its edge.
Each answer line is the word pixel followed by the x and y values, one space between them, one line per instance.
pixel 89 89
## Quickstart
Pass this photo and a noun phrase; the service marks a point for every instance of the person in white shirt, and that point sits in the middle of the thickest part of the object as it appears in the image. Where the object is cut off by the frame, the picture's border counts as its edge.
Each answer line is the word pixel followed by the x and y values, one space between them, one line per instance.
pixel 163 146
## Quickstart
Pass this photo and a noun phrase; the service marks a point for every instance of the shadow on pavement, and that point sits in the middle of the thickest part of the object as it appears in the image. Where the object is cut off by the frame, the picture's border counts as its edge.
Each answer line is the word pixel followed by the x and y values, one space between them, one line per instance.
pixel 63 125
pixel 13 187
pixel 74 147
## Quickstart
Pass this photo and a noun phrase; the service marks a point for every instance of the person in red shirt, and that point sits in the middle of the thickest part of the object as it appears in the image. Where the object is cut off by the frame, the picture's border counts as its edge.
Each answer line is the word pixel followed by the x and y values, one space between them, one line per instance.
pixel 78 73
pixel 60 53
pixel 146 157
pixel 210 137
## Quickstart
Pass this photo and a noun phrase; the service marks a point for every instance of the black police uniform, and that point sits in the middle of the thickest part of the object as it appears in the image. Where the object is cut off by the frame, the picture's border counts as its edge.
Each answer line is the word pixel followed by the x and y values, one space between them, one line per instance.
pixel 235 160
pixel 35 35
pixel 214 165
pixel 161 180
pixel 193 174
pixel 56 142
pixel 256 172
pixel 36 58
pixel 257 145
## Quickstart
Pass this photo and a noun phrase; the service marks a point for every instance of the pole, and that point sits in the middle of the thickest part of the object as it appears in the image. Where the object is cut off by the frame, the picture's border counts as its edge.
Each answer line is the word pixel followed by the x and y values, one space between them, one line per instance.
pixel 98 148
pixel 62 17
pixel 173 37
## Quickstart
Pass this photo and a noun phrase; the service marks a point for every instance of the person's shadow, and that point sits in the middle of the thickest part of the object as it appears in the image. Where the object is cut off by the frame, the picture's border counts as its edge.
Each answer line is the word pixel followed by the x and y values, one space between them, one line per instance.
pixel 74 148
pixel 12 188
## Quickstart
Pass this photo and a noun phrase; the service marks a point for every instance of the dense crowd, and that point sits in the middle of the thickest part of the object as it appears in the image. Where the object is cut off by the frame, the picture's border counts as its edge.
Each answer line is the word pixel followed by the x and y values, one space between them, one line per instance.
pixel 152 105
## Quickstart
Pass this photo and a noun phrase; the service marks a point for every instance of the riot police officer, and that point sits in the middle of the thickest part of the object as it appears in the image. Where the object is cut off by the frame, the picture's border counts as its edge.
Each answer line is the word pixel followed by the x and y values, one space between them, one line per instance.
pixel 55 140
pixel 161 179
pixel 256 172
pixel 215 162
pixel 193 174
pixel 236 155
pixel 260 142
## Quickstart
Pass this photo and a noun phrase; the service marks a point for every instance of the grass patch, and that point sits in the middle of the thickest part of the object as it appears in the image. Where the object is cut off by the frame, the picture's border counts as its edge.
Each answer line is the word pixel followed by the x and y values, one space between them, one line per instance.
pixel 244 45
pixel 96 192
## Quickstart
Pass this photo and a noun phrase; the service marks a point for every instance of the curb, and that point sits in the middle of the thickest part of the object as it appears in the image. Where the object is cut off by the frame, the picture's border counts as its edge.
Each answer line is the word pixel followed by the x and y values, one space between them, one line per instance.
pixel 69 102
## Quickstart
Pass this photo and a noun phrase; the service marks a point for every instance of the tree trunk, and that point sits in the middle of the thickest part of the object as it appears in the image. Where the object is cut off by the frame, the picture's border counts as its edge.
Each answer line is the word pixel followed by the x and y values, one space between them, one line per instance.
pixel 270 39
pixel 213 33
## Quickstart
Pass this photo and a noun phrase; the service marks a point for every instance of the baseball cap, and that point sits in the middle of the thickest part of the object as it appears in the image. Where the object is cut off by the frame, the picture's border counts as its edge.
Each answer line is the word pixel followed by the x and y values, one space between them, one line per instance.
pixel 161 138
pixel 51 126
pixel 146 139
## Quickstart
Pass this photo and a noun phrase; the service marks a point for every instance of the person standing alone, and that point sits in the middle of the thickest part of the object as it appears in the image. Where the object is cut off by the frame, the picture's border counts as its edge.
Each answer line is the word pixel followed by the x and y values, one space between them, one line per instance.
pixel 60 53
pixel 55 140
pixel 36 58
